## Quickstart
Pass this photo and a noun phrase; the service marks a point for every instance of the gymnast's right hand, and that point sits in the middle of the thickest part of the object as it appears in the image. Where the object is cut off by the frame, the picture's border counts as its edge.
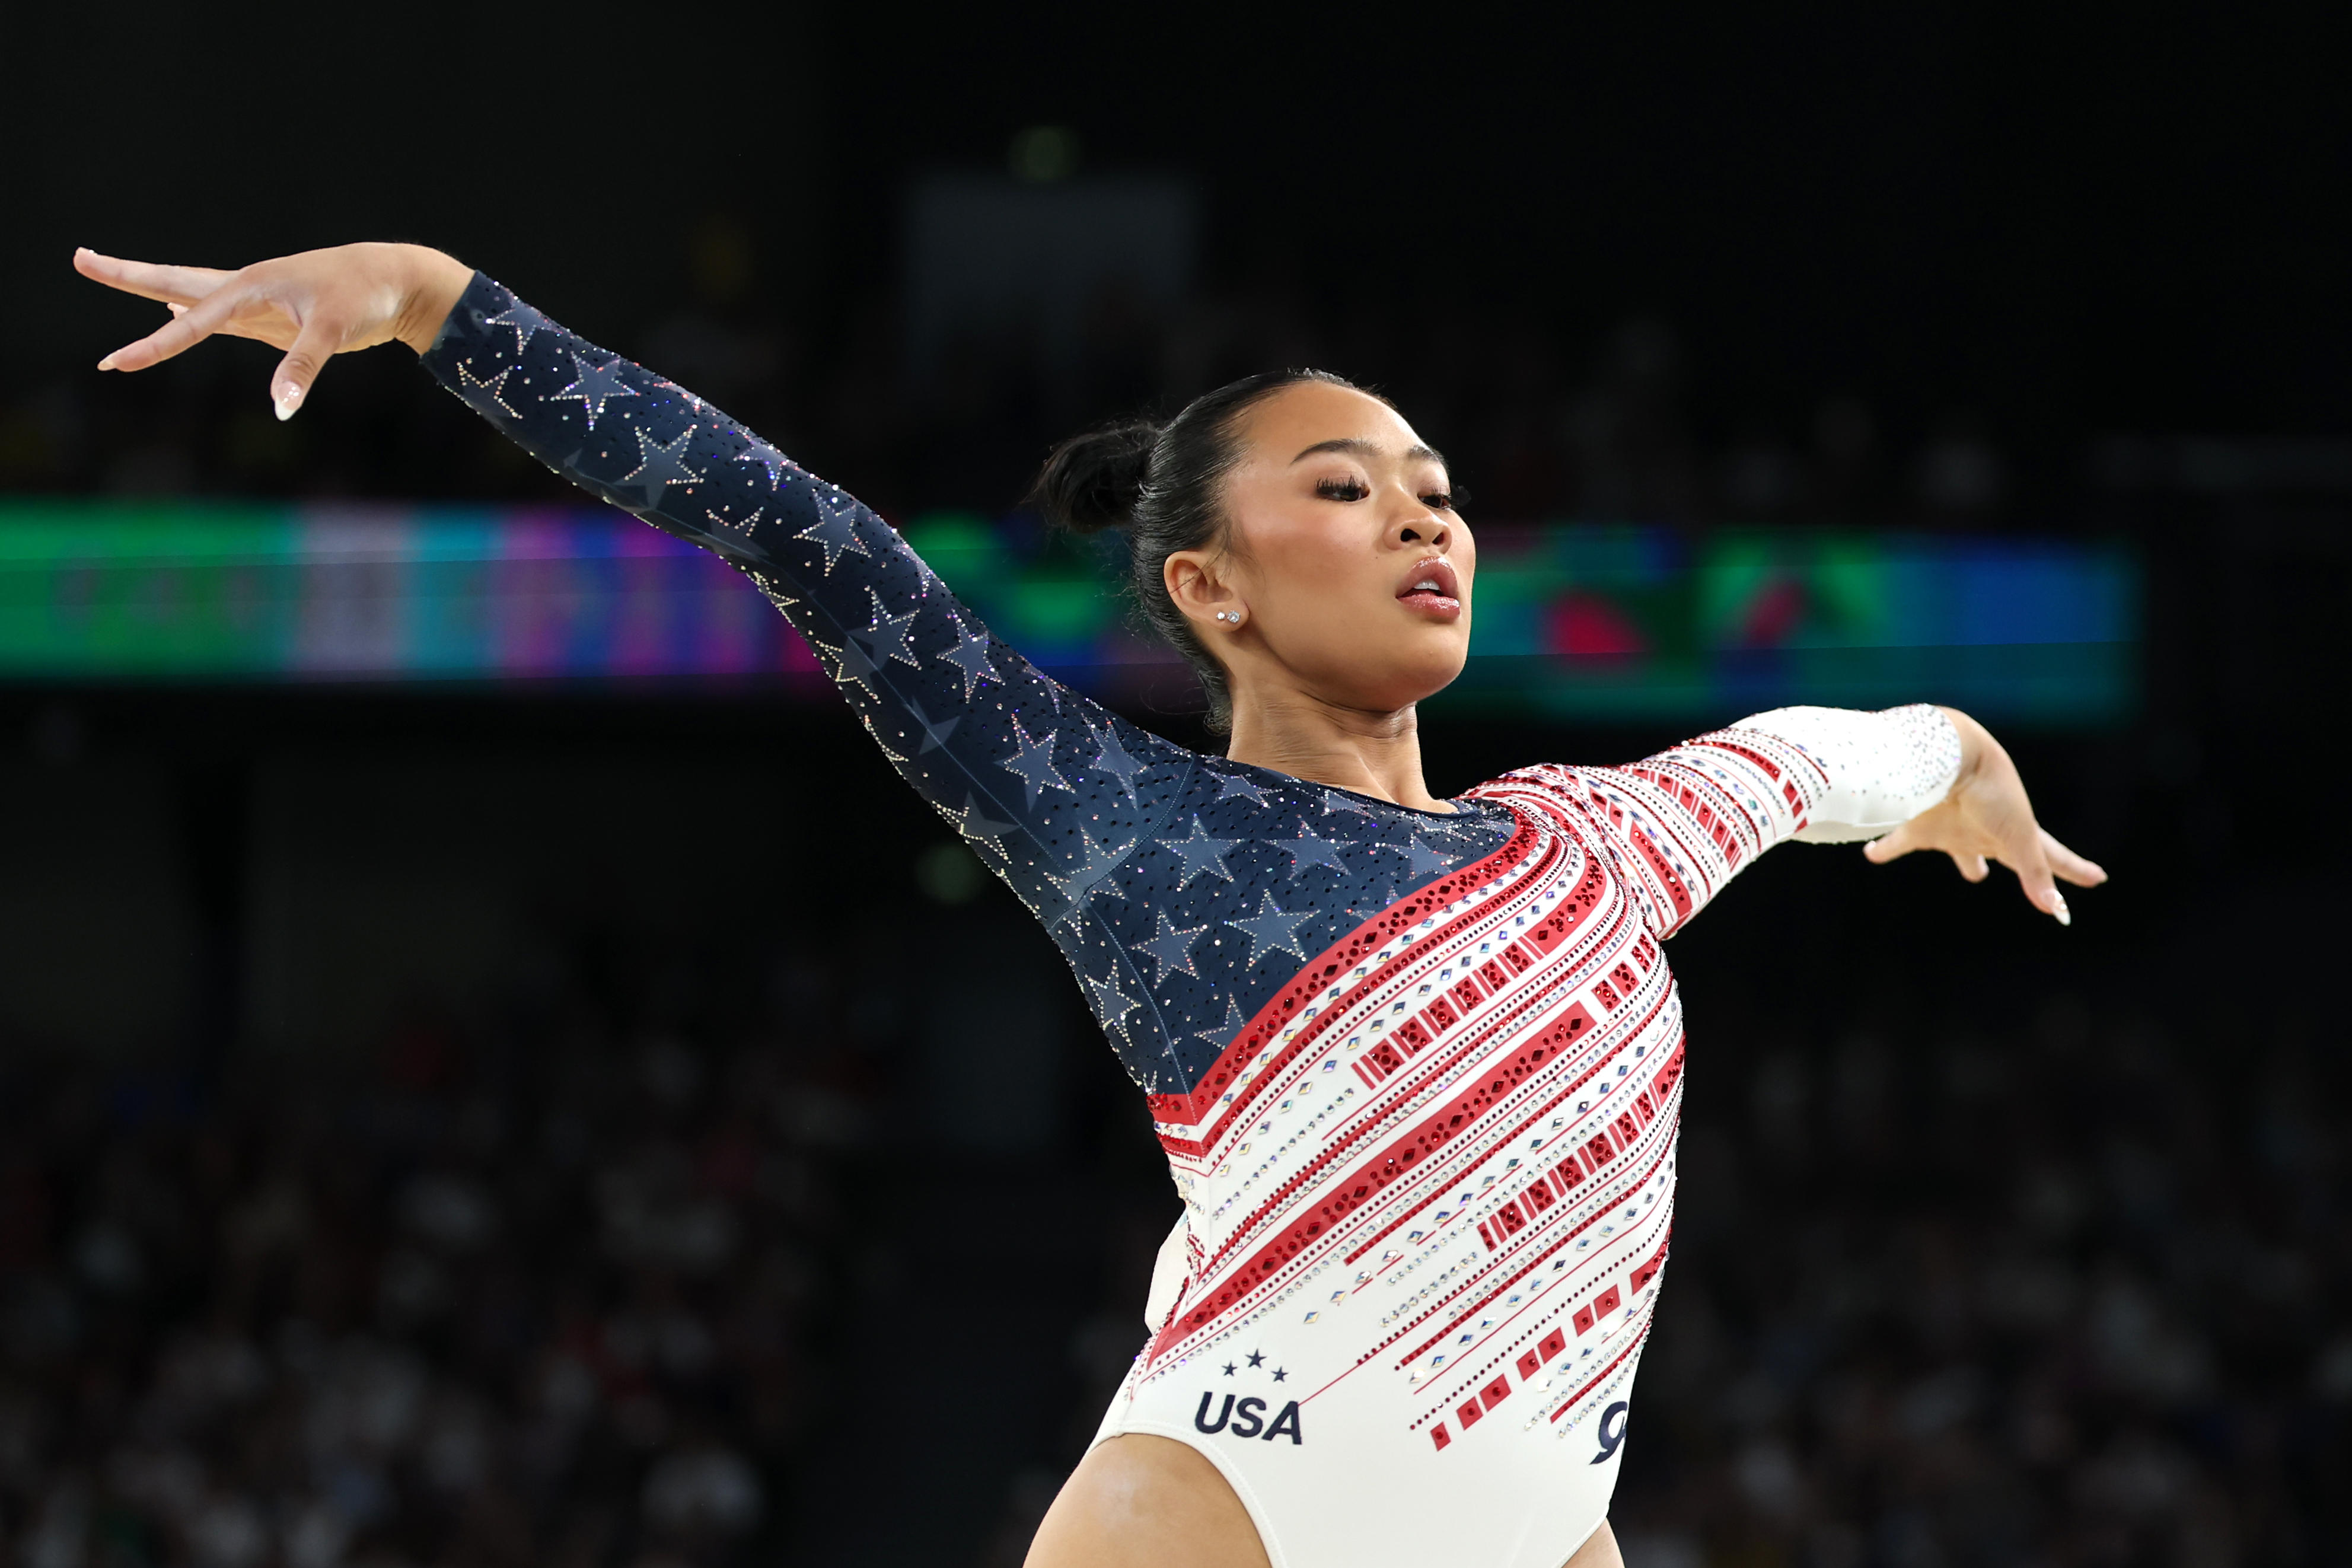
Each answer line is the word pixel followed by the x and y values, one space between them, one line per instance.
pixel 314 305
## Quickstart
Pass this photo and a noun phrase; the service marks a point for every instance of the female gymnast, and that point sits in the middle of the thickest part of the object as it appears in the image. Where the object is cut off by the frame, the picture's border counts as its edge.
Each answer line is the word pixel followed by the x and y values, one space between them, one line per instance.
pixel 1416 1063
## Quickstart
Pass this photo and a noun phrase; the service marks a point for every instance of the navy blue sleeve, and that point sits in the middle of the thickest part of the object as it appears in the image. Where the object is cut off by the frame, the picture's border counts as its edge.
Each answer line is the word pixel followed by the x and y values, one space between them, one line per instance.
pixel 1048 787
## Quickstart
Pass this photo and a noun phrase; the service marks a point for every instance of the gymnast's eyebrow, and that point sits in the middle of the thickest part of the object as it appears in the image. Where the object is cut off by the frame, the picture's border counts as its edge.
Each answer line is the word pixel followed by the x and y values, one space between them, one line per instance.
pixel 1356 445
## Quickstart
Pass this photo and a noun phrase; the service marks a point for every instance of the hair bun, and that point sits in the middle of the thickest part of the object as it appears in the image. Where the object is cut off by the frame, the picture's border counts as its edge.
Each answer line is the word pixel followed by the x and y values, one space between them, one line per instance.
pixel 1093 481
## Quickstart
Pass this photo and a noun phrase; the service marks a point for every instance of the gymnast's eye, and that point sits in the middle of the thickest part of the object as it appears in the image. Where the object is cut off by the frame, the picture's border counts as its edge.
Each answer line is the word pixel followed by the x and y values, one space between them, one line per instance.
pixel 1350 488
pixel 1438 500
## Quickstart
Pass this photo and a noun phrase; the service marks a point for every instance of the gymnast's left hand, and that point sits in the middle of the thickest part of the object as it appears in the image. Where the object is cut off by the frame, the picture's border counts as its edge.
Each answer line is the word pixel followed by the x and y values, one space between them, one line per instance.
pixel 1987 817
pixel 313 305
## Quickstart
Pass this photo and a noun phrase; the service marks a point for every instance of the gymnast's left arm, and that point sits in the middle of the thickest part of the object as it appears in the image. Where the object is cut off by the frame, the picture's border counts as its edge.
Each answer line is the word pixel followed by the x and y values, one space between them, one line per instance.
pixel 1908 778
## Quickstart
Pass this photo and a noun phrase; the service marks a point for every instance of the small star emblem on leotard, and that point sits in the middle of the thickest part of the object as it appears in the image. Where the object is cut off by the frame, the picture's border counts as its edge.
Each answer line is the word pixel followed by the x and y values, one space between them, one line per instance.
pixel 526 322
pixel 1111 1005
pixel 478 392
pixel 1272 930
pixel 1257 1358
pixel 659 465
pixel 1034 761
pixel 1225 1034
pixel 1172 947
pixel 1116 759
pixel 886 635
pixel 969 654
pixel 1309 850
pixel 1229 1369
pixel 1422 858
pixel 975 826
pixel 1231 784
pixel 836 535
pixel 851 667
pixel 1280 1375
pixel 596 386
pixel 1201 855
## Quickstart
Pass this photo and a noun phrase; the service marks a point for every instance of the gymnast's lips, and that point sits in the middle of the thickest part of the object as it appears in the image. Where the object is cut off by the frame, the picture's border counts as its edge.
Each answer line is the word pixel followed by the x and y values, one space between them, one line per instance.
pixel 1431 588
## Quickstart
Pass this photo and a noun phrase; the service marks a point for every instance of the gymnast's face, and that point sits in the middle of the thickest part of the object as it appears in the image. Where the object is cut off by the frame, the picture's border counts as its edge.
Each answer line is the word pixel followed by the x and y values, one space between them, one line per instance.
pixel 1347 564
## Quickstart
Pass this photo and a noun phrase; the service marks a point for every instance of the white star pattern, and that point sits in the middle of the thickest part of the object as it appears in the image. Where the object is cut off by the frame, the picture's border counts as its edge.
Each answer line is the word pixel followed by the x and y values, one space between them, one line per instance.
pixel 1225 1034
pixel 1271 930
pixel 596 386
pixel 969 654
pixel 836 535
pixel 885 636
pixel 525 322
pixel 1115 759
pixel 1229 785
pixel 486 391
pixel 1201 855
pixel 1111 1005
pixel 975 824
pixel 659 465
pixel 1308 850
pixel 1421 858
pixel 1035 762
pixel 850 664
pixel 1172 948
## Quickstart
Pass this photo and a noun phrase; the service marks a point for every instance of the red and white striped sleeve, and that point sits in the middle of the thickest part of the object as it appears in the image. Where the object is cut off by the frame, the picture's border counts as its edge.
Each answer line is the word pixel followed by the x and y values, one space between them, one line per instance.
pixel 1683 823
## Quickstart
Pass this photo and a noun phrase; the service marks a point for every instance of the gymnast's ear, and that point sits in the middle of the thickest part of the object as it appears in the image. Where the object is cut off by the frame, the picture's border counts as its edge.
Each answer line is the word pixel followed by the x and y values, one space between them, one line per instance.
pixel 1201 592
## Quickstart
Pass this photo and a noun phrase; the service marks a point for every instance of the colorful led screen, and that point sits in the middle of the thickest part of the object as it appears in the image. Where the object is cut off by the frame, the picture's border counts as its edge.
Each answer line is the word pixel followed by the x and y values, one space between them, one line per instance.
pixel 1573 619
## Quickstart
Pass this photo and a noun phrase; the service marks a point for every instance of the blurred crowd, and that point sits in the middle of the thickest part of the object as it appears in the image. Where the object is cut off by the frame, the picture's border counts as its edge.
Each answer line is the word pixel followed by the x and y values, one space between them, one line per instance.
pixel 1543 416
pixel 536 1298
pixel 2060 1281
pixel 2063 1279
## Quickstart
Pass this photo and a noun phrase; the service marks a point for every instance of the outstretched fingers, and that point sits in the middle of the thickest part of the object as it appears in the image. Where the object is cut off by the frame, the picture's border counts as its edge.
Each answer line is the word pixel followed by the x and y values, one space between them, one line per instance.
pixel 177 336
pixel 2071 867
pixel 149 280
pixel 2034 874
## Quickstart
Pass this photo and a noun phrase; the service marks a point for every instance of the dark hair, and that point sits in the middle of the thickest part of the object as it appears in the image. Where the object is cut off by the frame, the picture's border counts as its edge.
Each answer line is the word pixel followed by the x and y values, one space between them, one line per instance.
pixel 1165 485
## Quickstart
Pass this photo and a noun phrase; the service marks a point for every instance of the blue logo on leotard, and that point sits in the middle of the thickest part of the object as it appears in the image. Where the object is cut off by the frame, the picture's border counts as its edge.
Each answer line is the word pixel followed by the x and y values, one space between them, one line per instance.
pixel 1610 1436
pixel 1246 1418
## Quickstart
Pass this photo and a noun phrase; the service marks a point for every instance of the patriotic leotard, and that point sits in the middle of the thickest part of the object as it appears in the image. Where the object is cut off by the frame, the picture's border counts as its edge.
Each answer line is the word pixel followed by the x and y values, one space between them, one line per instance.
pixel 1417 1073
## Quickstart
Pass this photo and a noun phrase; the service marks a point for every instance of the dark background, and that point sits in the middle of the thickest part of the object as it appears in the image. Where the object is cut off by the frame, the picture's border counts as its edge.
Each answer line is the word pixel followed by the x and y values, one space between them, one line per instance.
pixel 532 1125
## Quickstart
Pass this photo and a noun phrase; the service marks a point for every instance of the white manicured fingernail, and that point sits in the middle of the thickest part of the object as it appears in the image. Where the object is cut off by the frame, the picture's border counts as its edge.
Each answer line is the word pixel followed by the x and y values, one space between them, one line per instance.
pixel 289 398
pixel 2058 910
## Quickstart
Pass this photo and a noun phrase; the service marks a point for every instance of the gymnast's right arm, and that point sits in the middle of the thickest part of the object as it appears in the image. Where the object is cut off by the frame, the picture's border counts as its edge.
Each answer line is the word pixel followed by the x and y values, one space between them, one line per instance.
pixel 1048 787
